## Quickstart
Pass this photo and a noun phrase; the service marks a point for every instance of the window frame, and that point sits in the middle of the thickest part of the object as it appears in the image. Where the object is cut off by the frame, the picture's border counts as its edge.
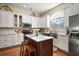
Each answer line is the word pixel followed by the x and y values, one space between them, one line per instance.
pixel 56 20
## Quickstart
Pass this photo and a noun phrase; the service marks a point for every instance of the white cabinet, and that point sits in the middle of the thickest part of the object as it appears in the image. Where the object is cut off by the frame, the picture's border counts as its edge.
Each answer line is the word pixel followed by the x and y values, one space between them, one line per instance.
pixel 6 19
pixel 35 22
pixel 10 40
pixel 18 39
pixel 31 20
pixel 55 42
pixel 63 42
pixel 5 41
pixel 27 19
pixel 44 22
pixel 10 20
pixel 18 20
pixel 2 41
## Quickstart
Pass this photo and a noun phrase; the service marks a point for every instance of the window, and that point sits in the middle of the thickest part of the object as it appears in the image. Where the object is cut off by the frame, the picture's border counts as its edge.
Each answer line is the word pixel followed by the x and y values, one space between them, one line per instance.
pixel 57 20
pixel 57 23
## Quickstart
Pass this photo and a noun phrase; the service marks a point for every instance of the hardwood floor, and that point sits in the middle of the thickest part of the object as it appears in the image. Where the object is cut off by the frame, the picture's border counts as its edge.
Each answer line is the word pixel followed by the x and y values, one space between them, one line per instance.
pixel 16 52
pixel 11 52
pixel 59 53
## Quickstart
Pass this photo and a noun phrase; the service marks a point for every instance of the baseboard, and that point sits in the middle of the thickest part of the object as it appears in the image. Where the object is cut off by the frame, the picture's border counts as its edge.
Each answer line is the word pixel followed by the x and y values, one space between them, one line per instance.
pixel 5 48
pixel 67 53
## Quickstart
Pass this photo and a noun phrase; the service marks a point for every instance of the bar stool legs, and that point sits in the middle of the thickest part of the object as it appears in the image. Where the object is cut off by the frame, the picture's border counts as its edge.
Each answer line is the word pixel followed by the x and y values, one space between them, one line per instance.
pixel 27 50
pixel 22 49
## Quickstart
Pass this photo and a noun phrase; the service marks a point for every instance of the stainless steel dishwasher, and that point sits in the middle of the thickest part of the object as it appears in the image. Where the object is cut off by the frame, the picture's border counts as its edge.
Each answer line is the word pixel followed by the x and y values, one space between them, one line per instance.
pixel 74 42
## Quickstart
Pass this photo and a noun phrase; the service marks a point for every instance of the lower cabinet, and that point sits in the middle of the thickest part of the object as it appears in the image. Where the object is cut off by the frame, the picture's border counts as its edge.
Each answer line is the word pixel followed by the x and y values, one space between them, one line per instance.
pixel 10 40
pixel 17 39
pixel 4 41
pixel 55 42
pixel 63 42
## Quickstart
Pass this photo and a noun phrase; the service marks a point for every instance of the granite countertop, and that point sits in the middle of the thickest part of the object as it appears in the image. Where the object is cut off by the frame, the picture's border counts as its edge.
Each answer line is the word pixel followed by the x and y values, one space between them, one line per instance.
pixel 39 37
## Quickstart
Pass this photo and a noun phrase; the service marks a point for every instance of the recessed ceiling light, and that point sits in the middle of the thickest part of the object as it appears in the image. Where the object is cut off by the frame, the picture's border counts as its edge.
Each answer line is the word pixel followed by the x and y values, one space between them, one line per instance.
pixel 24 5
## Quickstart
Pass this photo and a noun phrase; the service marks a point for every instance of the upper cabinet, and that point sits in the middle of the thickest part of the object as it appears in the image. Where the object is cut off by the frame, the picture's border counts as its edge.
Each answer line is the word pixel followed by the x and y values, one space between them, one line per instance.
pixel 35 22
pixel 6 19
pixel 43 22
pixel 18 20
pixel 27 19
pixel 31 20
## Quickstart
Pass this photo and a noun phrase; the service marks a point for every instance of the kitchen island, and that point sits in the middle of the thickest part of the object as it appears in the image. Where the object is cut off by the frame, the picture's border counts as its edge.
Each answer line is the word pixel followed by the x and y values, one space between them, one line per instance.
pixel 43 44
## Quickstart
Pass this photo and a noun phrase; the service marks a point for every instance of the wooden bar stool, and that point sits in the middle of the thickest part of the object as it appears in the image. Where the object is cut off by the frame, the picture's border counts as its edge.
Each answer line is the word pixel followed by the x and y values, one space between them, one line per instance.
pixel 27 49
pixel 22 49
pixel 31 51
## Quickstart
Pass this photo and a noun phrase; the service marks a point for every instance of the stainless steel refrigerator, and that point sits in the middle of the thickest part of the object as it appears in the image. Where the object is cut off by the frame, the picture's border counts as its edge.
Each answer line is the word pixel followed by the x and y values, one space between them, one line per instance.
pixel 74 35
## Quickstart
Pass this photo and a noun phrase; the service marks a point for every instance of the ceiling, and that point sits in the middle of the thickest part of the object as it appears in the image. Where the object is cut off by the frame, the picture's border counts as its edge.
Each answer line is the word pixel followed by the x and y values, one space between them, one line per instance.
pixel 36 7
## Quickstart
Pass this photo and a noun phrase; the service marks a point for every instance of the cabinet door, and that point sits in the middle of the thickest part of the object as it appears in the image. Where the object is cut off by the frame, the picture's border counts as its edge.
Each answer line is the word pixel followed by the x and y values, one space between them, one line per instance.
pixel 63 42
pixel 17 39
pixel 14 39
pixel 43 22
pixel 6 19
pixel 9 40
pixel 2 41
pixel 20 20
pixel 20 38
pixel 15 20
pixel 55 42
pixel 46 47
pixel 35 22
pixel 10 20
pixel 3 19
pixel 5 41
pixel 26 19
